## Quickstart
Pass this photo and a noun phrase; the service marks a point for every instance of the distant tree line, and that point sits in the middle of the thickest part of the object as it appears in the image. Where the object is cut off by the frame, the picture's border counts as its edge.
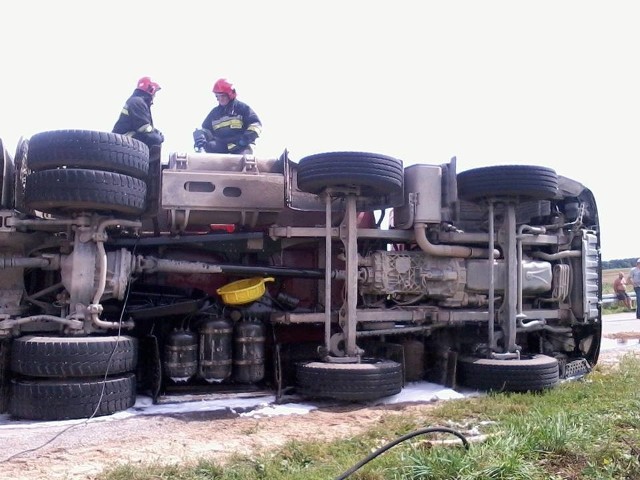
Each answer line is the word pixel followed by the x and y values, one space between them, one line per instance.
pixel 622 263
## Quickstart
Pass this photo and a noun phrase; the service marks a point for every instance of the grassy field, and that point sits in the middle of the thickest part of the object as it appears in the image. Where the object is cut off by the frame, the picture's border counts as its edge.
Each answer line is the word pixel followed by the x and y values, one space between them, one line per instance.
pixel 587 430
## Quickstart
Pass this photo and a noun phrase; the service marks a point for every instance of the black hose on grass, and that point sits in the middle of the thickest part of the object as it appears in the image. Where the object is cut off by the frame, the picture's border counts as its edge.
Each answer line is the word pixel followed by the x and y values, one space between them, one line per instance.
pixel 401 439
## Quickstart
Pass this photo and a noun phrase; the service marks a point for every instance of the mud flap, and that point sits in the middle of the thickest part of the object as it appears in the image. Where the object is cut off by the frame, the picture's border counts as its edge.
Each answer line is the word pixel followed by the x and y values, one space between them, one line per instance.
pixel 153 187
pixel 575 369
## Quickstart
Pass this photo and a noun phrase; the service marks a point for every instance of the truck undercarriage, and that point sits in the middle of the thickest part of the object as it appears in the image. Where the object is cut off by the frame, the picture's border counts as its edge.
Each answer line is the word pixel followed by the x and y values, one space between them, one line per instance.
pixel 344 275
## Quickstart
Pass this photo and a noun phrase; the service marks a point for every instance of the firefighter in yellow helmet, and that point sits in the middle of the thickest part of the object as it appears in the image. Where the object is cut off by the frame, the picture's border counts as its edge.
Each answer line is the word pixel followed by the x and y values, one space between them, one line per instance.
pixel 231 127
pixel 135 117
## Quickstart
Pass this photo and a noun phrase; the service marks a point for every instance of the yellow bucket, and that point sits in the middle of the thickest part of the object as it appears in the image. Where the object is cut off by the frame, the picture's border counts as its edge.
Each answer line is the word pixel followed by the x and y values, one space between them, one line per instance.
pixel 243 291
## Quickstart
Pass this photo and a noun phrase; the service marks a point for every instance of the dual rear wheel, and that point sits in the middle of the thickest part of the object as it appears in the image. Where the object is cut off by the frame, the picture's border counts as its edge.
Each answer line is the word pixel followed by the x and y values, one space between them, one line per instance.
pixel 70 171
pixel 59 378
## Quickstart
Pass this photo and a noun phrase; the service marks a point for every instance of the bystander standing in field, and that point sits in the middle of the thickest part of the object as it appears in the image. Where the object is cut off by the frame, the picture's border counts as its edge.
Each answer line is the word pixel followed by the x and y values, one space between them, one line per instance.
pixel 634 279
pixel 620 289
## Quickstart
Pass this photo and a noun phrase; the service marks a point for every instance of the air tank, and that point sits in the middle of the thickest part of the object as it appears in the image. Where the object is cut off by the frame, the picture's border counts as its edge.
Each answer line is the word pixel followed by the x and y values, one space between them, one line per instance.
pixel 248 354
pixel 181 356
pixel 215 357
pixel 414 366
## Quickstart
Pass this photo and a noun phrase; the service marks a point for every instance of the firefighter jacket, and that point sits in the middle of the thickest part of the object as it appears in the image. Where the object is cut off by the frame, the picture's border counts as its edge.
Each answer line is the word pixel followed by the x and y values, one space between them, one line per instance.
pixel 135 119
pixel 233 127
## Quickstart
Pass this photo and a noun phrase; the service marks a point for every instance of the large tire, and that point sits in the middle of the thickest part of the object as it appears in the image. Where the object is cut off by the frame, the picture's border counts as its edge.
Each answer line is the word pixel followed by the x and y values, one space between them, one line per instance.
pixel 528 374
pixel 369 380
pixel 67 399
pixel 375 174
pixel 38 356
pixel 71 190
pixel 508 180
pixel 88 149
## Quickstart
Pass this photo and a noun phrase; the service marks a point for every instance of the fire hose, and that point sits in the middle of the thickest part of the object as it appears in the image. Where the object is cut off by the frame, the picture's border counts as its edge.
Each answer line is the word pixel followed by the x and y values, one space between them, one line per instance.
pixel 401 439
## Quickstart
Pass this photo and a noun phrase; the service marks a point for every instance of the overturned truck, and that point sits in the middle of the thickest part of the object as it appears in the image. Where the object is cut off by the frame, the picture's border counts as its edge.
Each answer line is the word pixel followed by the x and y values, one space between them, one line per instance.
pixel 343 275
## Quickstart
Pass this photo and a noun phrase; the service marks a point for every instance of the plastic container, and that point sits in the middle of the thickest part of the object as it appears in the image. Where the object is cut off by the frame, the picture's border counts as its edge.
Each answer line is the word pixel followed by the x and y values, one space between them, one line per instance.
pixel 243 291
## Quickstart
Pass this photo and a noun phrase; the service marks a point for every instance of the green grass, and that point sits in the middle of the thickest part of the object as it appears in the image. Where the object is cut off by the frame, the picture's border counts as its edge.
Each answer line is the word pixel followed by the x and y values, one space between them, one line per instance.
pixel 581 430
pixel 614 308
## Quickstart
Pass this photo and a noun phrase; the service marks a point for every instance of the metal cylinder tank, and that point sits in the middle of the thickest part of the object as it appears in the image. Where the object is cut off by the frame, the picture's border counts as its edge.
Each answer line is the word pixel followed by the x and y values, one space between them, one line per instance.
pixel 414 360
pixel 181 356
pixel 248 354
pixel 423 191
pixel 215 356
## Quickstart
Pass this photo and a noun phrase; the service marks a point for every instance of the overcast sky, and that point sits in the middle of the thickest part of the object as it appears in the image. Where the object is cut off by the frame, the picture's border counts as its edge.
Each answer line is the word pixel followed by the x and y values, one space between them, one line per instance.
pixel 551 83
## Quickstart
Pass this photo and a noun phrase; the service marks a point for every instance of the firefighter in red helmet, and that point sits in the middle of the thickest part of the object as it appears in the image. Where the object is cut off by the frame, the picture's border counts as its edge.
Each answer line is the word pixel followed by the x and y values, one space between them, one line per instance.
pixel 231 127
pixel 135 118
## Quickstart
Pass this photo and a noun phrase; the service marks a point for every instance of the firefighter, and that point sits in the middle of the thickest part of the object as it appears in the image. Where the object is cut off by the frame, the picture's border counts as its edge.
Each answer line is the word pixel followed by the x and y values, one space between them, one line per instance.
pixel 135 118
pixel 231 127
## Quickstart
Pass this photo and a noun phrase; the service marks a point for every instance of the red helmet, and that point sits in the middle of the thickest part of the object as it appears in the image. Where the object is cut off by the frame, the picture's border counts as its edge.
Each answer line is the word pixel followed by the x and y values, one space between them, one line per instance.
pixel 147 85
pixel 224 86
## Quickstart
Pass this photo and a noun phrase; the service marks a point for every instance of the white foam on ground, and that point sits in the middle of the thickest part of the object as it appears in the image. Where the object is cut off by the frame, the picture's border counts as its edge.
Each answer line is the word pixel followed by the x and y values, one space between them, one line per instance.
pixel 265 406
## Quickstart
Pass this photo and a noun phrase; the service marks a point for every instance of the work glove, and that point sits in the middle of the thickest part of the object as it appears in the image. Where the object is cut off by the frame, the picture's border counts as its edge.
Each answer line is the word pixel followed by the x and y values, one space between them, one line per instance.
pixel 200 139
pixel 238 145
pixel 153 138
pixel 214 147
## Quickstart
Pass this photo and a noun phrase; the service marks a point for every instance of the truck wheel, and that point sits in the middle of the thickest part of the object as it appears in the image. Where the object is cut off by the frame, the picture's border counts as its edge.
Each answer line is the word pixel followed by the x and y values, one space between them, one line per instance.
pixel 533 373
pixel 73 357
pixel 375 174
pixel 88 149
pixel 67 399
pixel 71 190
pixel 369 380
pixel 508 180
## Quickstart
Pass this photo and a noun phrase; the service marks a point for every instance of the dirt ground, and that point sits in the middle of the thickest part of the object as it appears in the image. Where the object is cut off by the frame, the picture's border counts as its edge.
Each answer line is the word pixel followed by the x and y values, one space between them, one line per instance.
pixel 84 450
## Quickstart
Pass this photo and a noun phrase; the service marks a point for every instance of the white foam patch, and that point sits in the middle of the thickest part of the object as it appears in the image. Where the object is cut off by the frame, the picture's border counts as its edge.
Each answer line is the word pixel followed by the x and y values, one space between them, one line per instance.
pixel 278 410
